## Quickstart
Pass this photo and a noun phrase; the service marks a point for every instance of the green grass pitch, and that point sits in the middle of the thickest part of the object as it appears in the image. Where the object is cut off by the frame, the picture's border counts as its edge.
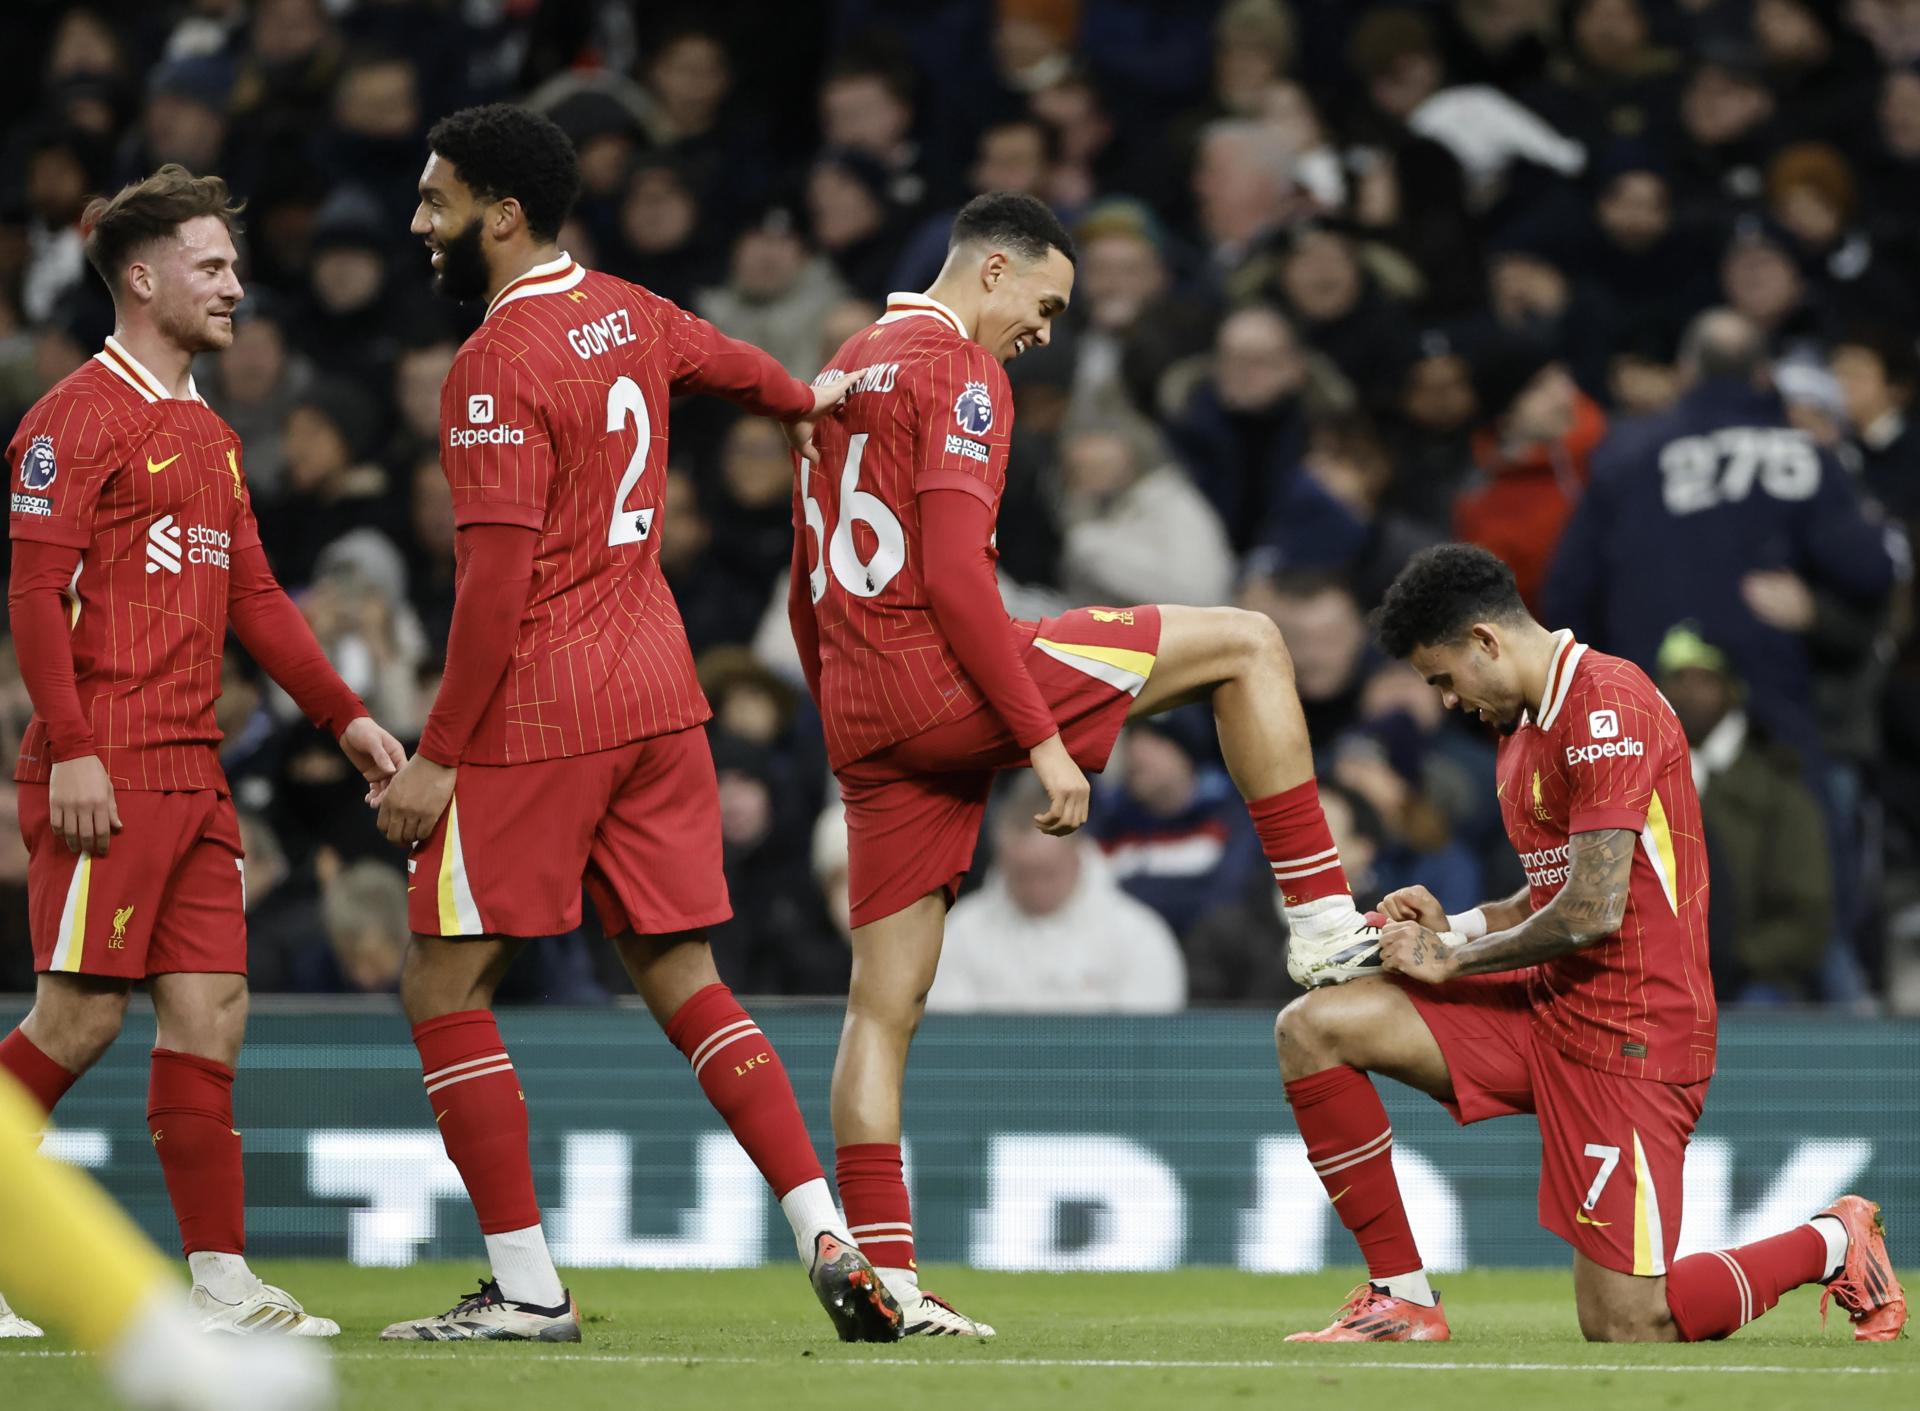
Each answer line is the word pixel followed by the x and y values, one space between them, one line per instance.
pixel 1114 1342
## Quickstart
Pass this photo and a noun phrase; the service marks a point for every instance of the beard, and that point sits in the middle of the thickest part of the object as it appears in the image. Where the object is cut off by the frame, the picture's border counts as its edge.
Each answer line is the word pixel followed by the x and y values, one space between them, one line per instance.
pixel 463 273
pixel 194 330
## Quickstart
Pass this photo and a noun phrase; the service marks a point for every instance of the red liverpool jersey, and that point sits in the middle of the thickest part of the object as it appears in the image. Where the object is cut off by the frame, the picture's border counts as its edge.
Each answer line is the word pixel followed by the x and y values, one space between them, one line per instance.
pixel 554 417
pixel 1608 752
pixel 151 490
pixel 929 410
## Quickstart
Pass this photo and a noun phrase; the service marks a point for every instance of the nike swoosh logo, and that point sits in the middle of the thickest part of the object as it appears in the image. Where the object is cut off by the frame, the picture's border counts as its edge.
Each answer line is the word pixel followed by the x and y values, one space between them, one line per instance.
pixel 1344 1190
pixel 154 467
pixel 1581 1216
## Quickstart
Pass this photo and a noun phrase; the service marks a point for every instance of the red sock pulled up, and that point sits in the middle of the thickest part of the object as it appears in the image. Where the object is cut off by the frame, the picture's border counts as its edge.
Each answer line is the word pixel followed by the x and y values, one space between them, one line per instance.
pixel 482 1115
pixel 1299 846
pixel 747 1084
pixel 1713 1294
pixel 190 1114
pixel 873 1192
pixel 46 1081
pixel 1350 1144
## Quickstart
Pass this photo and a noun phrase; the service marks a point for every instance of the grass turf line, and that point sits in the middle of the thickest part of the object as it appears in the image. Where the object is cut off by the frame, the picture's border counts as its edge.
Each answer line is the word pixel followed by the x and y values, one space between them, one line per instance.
pixel 1118 1342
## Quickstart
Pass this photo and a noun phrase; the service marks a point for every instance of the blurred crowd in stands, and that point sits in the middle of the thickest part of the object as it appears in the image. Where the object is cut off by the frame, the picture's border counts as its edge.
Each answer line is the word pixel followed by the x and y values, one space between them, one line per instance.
pixel 1353 279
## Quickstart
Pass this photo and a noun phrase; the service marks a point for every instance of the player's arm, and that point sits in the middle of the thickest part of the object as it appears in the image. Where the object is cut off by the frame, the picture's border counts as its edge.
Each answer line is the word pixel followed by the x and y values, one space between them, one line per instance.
pixel 1589 908
pixel 500 492
pixel 806 628
pixel 1416 903
pixel 277 635
pixel 80 802
pixel 956 531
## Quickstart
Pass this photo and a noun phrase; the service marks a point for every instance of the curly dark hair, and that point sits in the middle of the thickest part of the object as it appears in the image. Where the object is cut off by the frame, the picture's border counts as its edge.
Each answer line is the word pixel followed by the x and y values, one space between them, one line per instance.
pixel 500 151
pixel 1014 221
pixel 1440 594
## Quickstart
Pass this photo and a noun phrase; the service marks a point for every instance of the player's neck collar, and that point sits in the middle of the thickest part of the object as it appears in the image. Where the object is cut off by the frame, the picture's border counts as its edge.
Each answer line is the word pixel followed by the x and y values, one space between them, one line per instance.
pixel 1560 668
pixel 904 305
pixel 554 277
pixel 124 365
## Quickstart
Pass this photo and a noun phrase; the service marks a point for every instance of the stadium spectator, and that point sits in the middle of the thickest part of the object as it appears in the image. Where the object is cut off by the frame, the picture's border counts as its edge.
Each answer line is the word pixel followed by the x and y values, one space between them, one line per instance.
pixel 1879 374
pixel 1017 154
pixel 1538 432
pixel 1327 639
pixel 1135 530
pixel 660 240
pixel 255 384
pixel 333 485
pixel 1773 891
pixel 1050 930
pixel 777 292
pixel 866 105
pixel 852 221
pixel 1174 832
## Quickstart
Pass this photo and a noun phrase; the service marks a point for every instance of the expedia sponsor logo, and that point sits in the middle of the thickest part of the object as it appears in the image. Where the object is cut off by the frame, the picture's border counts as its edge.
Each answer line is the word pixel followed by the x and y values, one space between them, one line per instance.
pixel 486 436
pixel 1613 749
pixel 972 450
pixel 1547 867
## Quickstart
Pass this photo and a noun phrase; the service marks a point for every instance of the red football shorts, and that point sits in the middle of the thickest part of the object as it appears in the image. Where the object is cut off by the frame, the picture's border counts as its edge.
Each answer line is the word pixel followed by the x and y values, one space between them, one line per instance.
pixel 914 809
pixel 1611 1149
pixel 169 896
pixel 639 824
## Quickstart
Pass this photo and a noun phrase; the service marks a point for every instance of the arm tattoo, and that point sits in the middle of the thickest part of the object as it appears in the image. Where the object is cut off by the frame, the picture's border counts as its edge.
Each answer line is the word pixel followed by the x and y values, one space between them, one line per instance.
pixel 1588 908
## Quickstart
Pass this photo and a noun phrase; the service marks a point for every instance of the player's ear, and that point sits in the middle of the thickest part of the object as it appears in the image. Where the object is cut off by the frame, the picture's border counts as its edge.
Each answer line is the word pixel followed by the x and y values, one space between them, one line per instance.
pixel 1487 639
pixel 507 217
pixel 993 269
pixel 139 280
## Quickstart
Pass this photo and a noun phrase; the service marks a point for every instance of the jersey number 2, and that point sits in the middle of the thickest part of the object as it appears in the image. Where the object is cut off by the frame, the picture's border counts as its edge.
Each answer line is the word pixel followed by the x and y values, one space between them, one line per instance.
pixel 862 578
pixel 624 403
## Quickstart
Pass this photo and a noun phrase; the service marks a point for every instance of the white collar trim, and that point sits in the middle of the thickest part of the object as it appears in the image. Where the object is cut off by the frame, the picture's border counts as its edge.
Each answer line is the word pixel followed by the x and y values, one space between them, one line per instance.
pixel 1560 669
pixel 904 305
pixel 124 365
pixel 554 277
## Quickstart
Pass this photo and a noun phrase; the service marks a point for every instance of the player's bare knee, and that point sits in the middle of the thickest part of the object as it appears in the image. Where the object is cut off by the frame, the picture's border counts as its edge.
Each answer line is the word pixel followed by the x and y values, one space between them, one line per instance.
pixel 1307 1033
pixel 1260 645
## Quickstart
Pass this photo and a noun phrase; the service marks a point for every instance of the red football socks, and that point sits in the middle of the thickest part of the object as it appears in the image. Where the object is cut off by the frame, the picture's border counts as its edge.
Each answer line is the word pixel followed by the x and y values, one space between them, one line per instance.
pixel 190 1114
pixel 482 1115
pixel 1294 836
pixel 1350 1144
pixel 747 1084
pixel 46 1081
pixel 1713 1294
pixel 873 1192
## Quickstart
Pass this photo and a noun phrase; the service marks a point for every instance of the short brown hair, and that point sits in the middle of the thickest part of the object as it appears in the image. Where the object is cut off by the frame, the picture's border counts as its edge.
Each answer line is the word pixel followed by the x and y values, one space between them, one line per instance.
pixel 117 227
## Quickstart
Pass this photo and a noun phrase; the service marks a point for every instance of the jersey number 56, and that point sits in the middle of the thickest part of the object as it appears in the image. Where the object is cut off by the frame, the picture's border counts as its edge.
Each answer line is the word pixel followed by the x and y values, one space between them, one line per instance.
pixel 864 578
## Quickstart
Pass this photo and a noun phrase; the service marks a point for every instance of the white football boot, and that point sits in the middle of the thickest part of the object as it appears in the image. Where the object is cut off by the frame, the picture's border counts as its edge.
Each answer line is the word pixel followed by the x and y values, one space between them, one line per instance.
pixel 484 1316
pixel 930 1316
pixel 1331 948
pixel 12 1325
pixel 266 1310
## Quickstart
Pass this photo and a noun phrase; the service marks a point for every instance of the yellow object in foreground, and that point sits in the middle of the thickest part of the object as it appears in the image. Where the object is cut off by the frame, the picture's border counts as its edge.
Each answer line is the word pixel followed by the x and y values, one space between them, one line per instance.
pixel 71 1256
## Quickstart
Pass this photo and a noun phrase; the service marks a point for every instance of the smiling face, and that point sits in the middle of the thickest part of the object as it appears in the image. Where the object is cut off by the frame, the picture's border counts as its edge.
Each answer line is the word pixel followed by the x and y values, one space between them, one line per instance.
pixel 1020 301
pixel 1477 676
pixel 191 283
pixel 450 219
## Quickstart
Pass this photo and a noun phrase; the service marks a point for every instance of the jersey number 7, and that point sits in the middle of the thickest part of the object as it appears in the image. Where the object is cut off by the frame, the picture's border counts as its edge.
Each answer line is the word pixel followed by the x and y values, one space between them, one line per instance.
pixel 863 578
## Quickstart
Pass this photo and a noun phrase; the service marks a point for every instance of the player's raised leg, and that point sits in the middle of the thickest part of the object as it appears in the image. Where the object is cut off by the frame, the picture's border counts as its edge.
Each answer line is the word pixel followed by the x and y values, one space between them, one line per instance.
pixel 75 1255
pixel 1238 662
pixel 1329 1041
pixel 201 1021
pixel 446 989
pixel 739 1070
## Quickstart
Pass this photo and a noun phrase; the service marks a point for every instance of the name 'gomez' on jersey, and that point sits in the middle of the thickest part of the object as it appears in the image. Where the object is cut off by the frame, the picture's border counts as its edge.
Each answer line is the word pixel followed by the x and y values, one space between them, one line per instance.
pixel 1608 752
pixel 151 490
pixel 929 410
pixel 554 417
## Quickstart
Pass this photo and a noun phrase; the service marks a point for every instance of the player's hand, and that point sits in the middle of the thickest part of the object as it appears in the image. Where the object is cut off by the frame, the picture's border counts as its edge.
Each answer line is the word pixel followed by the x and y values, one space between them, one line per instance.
pixel 1780 598
pixel 1410 949
pixel 375 753
pixel 414 799
pixel 1415 903
pixel 81 806
pixel 828 396
pixel 1068 792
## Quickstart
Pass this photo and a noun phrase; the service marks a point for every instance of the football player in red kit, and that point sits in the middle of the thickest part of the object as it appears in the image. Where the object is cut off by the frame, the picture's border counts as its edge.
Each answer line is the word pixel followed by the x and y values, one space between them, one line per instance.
pixel 135 549
pixel 1584 999
pixel 927 689
pixel 567 740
